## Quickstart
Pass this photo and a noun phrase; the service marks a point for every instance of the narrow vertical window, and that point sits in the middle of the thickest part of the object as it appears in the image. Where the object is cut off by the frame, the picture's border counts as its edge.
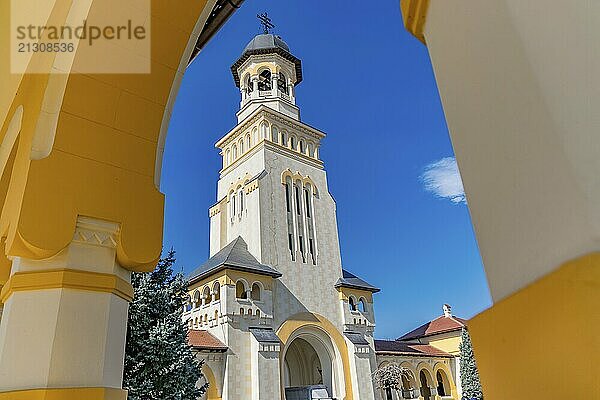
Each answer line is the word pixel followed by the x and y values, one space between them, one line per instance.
pixel 232 206
pixel 311 247
pixel 298 203
pixel 291 243
pixel 301 243
pixel 287 197
pixel 241 200
pixel 307 201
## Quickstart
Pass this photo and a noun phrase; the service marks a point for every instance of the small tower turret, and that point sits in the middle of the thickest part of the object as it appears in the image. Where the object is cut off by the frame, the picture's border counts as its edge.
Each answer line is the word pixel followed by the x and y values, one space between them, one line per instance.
pixel 267 74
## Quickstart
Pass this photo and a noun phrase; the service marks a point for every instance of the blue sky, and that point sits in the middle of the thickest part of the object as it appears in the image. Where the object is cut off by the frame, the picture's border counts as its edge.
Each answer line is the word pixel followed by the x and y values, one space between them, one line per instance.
pixel 403 222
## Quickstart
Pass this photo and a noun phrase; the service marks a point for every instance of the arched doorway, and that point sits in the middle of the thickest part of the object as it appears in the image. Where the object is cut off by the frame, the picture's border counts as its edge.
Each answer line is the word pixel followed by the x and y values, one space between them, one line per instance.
pixel 443 385
pixel 310 359
pixel 303 365
pixel 425 385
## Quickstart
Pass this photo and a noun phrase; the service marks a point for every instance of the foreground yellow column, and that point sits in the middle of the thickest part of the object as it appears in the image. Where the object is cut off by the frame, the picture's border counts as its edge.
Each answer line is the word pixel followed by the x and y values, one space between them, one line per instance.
pixel 81 141
pixel 518 81
pixel 64 321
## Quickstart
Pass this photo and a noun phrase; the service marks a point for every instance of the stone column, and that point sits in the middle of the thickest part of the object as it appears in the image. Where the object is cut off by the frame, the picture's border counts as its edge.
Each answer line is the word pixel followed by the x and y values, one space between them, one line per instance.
pixel 275 88
pixel 254 87
pixel 265 370
pixel 65 320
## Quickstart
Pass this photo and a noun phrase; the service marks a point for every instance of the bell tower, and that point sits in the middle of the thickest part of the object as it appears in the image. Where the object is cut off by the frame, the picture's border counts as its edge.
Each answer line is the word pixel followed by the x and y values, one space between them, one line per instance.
pixel 266 74
pixel 275 268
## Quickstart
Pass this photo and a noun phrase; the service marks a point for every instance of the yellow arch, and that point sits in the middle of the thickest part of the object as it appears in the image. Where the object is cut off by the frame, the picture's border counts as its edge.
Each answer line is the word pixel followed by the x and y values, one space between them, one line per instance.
pixel 423 366
pixel 441 366
pixel 409 367
pixel 303 320
pixel 212 393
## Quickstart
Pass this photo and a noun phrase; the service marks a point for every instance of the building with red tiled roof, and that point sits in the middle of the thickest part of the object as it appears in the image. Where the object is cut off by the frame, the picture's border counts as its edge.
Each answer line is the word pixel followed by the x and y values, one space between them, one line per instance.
pixel 446 323
pixel 205 341
pixel 430 352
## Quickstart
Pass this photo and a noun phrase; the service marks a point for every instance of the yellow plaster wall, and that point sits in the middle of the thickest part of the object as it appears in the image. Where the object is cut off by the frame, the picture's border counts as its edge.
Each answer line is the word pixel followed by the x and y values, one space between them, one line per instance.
pixel 345 294
pixel 449 345
pixel 542 342
pixel 104 154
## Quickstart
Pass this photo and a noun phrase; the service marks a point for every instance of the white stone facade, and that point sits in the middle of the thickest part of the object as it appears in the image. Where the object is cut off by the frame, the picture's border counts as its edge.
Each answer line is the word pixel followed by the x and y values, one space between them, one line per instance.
pixel 273 194
pixel 274 291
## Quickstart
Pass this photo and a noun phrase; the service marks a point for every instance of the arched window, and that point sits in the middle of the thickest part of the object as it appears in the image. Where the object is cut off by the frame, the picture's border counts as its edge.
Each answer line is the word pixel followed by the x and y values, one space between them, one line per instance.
pixel 217 291
pixel 255 292
pixel 233 208
pixel 241 196
pixel 249 312
pixel 248 143
pixel 293 142
pixel 228 157
pixel 206 318
pixel 302 149
pixel 442 388
pixel 234 150
pixel 241 146
pixel 206 295
pixel 257 313
pixel 352 304
pixel 362 307
pixel 196 298
pixel 242 312
pixel 284 138
pixel 282 83
pixel 311 150
pixel 254 135
pixel 240 290
pixel 188 304
pixel 249 85
pixel 263 131
pixel 216 315
pixel 425 388
pixel 264 80
pixel 275 134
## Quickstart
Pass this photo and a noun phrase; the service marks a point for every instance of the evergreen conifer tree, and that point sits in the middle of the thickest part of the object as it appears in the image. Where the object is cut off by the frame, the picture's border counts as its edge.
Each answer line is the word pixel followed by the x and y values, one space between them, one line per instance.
pixel 159 363
pixel 469 376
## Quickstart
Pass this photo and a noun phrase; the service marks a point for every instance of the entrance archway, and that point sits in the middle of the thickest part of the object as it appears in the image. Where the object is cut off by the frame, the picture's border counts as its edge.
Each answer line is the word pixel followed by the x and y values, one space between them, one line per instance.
pixel 304 365
pixel 310 358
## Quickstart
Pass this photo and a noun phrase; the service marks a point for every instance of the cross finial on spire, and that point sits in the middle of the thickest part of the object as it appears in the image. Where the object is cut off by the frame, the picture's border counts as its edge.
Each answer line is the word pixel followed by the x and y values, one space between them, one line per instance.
pixel 265 21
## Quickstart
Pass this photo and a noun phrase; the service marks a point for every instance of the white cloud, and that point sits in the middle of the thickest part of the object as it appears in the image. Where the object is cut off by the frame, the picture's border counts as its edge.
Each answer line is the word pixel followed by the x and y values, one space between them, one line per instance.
pixel 443 180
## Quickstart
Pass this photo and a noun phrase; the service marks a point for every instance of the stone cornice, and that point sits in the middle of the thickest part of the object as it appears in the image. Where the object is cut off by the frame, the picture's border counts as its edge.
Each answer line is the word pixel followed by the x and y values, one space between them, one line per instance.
pixel 267 113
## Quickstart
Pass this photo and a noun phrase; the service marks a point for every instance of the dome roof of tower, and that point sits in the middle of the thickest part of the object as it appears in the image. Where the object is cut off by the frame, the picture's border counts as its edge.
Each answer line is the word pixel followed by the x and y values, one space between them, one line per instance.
pixel 267 43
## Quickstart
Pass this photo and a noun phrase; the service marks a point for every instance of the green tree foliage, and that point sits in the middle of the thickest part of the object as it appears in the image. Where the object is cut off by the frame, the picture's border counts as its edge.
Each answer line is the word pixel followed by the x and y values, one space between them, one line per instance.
pixel 159 363
pixel 469 375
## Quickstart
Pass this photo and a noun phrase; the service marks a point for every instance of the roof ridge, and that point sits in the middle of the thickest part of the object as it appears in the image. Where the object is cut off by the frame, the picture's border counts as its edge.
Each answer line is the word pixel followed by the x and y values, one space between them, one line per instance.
pixel 234 243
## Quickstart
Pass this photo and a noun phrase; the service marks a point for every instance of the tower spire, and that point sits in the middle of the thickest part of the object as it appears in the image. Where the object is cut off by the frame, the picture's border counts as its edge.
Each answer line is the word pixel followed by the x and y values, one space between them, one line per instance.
pixel 266 23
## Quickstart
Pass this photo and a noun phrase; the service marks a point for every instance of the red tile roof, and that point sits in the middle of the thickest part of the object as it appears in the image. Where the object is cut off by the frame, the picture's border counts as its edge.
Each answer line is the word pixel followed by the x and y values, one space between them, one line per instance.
pixel 439 325
pixel 203 340
pixel 401 348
